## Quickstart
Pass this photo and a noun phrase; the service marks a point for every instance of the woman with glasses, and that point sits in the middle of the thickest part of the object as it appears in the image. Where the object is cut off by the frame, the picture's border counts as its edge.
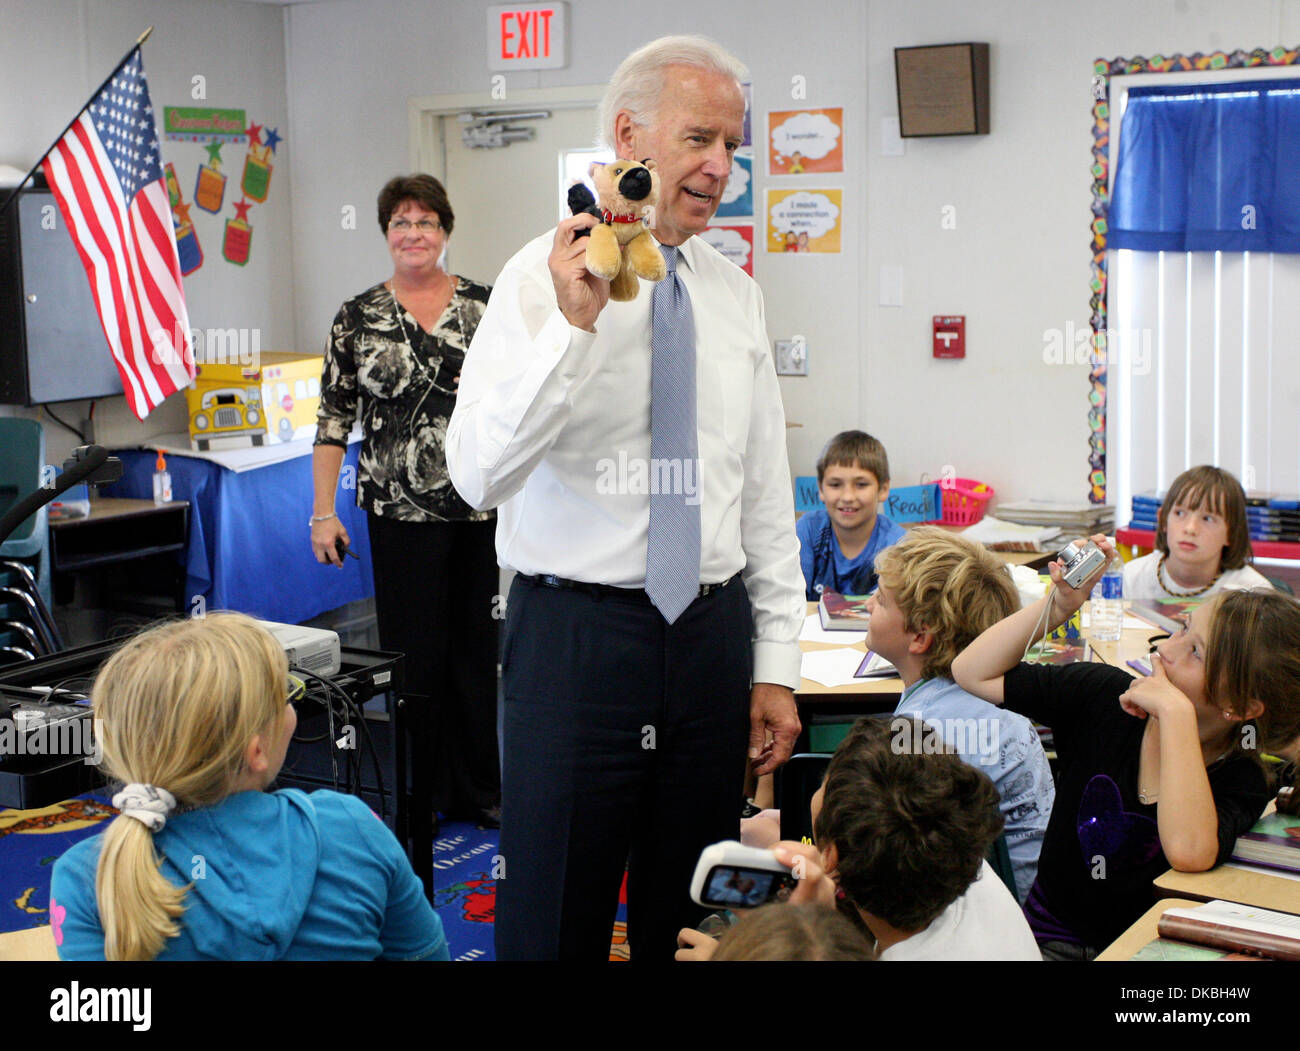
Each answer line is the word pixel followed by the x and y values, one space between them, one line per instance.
pixel 396 351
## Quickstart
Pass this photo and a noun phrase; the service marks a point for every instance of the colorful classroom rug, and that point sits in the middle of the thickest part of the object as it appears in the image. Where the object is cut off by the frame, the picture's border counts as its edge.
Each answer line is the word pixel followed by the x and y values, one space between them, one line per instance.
pixel 464 891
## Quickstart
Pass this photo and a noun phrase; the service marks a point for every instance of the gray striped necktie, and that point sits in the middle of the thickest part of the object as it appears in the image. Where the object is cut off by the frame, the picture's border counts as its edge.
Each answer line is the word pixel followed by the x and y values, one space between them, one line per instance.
pixel 672 570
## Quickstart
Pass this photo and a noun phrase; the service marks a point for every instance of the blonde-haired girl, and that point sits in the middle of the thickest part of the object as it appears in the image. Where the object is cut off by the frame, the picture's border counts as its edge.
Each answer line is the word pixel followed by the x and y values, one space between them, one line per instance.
pixel 195 717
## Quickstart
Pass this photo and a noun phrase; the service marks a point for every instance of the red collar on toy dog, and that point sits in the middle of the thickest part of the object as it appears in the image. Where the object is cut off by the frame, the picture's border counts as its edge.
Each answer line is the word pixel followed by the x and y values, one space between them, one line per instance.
pixel 610 217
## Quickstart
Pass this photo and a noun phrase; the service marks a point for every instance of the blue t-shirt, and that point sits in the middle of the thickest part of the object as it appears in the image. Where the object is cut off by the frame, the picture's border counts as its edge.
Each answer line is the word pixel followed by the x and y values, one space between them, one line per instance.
pixel 824 565
pixel 1003 745
pixel 273 876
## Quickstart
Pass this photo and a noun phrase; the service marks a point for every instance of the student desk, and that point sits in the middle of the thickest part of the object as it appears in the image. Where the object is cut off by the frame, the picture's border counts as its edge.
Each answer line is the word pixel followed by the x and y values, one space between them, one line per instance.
pixel 819 704
pixel 31 943
pixel 839 704
pixel 1143 931
pixel 1226 883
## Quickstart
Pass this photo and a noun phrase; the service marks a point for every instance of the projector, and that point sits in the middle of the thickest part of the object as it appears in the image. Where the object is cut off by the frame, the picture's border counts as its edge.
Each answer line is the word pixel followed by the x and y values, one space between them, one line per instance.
pixel 312 649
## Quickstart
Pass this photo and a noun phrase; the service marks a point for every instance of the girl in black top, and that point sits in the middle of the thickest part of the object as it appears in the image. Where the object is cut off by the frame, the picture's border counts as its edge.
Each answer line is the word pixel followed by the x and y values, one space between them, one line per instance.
pixel 1154 772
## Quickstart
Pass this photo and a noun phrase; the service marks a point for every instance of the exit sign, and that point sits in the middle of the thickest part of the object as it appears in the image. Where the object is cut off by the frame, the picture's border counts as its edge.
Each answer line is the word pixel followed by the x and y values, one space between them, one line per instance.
pixel 527 36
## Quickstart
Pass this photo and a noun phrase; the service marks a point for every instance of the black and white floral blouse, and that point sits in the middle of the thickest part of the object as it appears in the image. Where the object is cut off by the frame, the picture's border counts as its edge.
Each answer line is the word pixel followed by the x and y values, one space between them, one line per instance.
pixel 404 379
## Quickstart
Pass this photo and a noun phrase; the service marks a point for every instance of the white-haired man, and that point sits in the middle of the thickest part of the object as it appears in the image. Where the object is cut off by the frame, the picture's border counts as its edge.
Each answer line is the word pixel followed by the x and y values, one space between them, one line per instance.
pixel 644 499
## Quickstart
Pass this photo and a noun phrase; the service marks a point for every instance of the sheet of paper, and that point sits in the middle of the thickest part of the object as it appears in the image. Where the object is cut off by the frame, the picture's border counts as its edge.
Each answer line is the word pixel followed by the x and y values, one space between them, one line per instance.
pixel 813 632
pixel 832 667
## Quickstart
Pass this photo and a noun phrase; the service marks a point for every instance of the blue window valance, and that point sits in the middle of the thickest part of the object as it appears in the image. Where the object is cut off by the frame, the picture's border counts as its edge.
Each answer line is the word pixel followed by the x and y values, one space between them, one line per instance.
pixel 1209 168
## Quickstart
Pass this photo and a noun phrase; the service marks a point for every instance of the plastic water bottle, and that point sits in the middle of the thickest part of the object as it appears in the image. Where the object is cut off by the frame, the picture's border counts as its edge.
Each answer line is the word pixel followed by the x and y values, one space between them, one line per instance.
pixel 1106 614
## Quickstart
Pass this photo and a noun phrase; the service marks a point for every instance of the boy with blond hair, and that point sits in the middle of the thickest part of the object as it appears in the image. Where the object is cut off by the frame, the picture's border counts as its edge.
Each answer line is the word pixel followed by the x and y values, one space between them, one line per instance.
pixel 937 592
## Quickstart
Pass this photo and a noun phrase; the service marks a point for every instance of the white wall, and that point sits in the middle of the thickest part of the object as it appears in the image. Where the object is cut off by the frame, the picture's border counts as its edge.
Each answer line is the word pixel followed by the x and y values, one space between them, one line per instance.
pixel 338 74
pixel 54 53
pixel 413 48
pixel 1017 264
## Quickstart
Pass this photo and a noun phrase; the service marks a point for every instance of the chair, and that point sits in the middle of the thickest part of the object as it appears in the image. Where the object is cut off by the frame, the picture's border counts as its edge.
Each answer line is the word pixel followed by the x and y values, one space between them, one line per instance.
pixel 999 859
pixel 22 459
pixel 795 784
pixel 26 607
pixel 28 638
pixel 19 575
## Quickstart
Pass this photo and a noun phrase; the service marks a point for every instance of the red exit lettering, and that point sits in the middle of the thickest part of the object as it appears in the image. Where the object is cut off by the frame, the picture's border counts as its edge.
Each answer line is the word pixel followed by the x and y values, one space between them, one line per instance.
pixel 532 30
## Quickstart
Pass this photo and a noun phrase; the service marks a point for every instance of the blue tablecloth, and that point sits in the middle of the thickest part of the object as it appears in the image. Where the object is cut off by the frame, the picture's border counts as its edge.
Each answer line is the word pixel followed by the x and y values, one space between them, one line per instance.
pixel 249 546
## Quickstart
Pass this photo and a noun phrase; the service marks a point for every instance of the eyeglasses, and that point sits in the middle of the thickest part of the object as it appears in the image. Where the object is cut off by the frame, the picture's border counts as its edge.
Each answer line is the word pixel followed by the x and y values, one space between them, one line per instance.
pixel 297 690
pixel 424 226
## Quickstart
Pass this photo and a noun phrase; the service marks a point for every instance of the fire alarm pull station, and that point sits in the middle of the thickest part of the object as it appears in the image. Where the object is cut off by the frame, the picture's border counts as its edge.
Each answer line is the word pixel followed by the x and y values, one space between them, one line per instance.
pixel 950 336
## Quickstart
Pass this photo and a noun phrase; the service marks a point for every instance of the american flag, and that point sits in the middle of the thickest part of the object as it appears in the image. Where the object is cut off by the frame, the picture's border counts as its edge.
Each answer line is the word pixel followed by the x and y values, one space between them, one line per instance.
pixel 106 174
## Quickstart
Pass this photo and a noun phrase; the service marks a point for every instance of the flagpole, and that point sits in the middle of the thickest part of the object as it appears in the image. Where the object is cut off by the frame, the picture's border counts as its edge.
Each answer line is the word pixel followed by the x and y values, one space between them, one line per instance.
pixel 32 171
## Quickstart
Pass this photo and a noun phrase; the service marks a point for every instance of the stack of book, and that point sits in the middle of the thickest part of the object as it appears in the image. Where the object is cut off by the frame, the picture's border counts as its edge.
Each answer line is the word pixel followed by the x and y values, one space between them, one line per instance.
pixel 1073 518
pixel 1274 842
pixel 1270 516
pixel 1274 518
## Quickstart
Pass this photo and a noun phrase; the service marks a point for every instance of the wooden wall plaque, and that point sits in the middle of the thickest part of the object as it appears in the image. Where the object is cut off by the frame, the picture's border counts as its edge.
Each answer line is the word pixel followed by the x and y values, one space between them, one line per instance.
pixel 943 89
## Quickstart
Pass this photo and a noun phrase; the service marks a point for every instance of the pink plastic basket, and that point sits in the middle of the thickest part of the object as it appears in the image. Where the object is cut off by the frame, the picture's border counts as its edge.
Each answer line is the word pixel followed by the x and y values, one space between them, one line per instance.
pixel 962 505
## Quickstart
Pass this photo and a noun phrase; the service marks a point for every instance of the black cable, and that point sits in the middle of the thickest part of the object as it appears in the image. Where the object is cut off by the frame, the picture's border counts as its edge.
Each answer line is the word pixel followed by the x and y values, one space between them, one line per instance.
pixel 349 703
pixel 89 680
pixel 67 426
pixel 352 766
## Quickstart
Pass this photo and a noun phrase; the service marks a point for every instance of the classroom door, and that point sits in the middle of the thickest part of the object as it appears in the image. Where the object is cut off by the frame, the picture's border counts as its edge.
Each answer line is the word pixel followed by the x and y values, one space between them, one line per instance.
pixel 504 197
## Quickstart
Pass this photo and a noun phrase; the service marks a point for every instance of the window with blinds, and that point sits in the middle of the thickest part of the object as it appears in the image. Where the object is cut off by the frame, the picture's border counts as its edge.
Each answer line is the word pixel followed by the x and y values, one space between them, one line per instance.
pixel 1203 345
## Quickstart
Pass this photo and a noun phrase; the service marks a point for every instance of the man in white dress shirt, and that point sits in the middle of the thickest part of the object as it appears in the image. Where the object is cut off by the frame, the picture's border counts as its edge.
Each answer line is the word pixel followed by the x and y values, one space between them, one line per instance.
pixel 626 728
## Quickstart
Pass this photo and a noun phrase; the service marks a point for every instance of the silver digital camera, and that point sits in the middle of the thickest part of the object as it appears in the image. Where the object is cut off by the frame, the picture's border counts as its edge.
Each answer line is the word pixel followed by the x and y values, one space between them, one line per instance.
pixel 1081 562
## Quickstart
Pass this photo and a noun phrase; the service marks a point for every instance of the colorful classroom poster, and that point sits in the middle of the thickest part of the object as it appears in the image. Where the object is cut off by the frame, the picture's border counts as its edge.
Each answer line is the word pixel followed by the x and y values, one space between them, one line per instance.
pixel 805 141
pixel 734 242
pixel 738 198
pixel 804 220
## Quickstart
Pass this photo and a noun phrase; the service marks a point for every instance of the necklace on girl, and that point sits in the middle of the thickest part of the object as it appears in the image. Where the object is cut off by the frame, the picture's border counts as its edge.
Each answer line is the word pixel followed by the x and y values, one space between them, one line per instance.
pixel 1160 579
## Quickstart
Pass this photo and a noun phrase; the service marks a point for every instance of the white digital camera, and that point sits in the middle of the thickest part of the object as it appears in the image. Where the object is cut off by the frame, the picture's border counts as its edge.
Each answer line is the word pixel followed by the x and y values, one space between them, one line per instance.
pixel 730 875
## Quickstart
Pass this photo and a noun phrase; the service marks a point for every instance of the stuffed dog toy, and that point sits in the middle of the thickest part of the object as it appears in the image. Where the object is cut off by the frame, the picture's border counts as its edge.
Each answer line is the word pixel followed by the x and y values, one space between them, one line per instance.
pixel 621 248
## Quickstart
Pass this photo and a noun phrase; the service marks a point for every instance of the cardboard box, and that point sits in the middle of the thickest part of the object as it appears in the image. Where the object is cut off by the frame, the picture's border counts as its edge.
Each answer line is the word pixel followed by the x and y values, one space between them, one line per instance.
pixel 267 403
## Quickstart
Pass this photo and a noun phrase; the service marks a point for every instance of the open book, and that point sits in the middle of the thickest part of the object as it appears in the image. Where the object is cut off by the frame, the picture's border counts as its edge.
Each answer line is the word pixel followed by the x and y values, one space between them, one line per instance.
pixel 1164 612
pixel 874 666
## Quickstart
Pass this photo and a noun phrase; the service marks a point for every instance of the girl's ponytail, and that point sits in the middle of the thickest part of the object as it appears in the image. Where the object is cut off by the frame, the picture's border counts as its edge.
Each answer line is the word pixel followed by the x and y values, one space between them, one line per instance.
pixel 176 707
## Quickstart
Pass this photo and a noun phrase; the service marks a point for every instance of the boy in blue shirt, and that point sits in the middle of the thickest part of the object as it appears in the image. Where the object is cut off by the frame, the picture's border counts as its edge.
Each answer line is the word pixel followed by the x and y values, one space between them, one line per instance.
pixel 839 542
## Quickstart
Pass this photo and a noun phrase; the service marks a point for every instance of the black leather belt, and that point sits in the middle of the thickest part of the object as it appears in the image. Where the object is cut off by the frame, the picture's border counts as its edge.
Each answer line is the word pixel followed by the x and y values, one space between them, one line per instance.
pixel 549 580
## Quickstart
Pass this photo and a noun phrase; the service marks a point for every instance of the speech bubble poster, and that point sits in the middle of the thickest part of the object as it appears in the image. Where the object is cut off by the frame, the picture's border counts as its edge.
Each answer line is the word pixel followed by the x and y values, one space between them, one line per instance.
pixel 804 220
pixel 738 198
pixel 734 242
pixel 805 141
